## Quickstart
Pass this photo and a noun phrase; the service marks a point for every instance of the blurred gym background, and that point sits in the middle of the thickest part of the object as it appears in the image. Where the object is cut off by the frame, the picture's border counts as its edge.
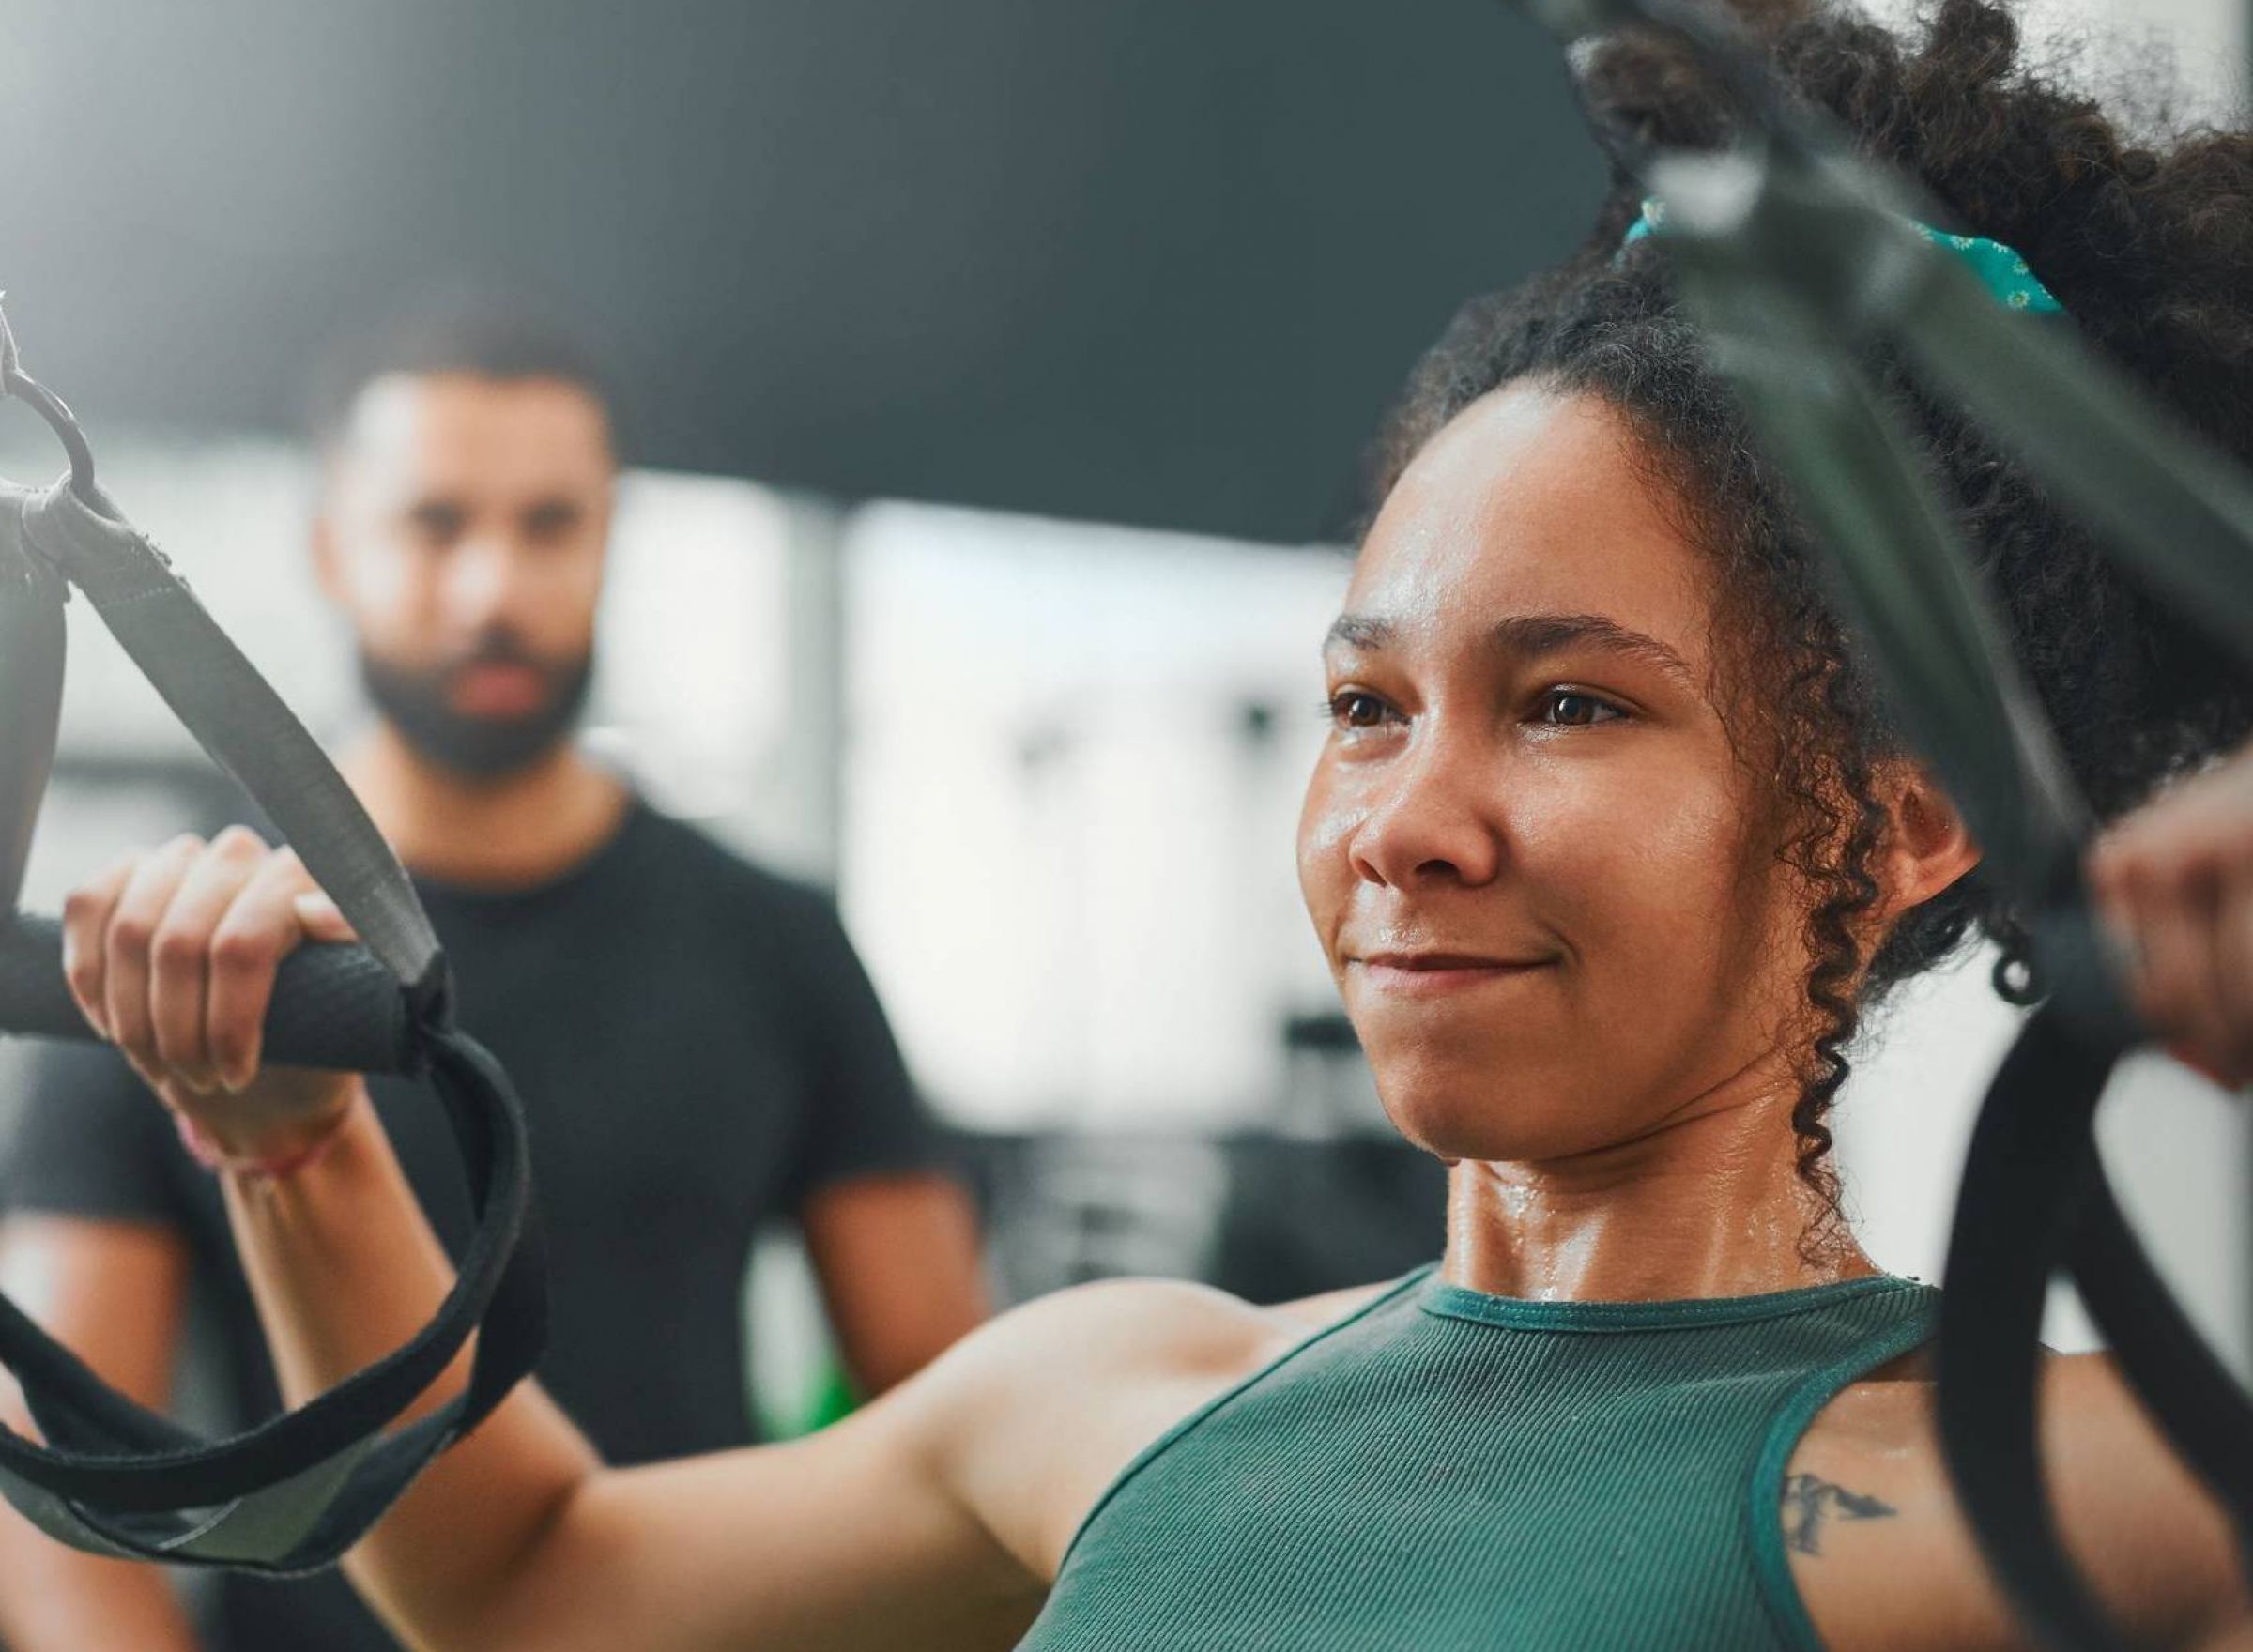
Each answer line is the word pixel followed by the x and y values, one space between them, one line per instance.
pixel 997 379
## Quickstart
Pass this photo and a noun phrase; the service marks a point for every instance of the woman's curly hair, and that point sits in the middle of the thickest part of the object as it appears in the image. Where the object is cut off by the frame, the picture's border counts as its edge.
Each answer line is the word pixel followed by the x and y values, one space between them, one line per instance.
pixel 2149 245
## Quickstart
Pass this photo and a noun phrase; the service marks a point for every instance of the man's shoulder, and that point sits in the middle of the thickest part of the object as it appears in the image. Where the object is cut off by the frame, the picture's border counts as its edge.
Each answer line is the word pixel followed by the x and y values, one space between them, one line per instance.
pixel 720 871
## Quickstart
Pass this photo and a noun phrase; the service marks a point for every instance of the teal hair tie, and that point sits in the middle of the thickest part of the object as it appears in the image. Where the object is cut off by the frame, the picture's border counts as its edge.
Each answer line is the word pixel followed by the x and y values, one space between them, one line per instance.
pixel 2002 270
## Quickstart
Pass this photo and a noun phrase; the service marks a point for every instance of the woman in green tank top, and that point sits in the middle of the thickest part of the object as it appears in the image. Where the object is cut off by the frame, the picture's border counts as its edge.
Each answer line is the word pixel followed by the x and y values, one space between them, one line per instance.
pixel 1609 850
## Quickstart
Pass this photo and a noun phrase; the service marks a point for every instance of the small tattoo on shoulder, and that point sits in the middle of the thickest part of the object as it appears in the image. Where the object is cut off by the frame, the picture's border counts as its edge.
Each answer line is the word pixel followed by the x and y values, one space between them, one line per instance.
pixel 1809 1500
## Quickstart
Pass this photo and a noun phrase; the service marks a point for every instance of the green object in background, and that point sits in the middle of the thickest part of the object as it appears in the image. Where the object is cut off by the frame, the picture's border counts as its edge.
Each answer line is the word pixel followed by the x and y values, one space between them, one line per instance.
pixel 797 1375
pixel 833 1402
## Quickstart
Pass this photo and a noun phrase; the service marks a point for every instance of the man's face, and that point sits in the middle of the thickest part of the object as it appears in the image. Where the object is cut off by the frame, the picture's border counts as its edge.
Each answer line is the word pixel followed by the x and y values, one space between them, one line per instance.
pixel 462 533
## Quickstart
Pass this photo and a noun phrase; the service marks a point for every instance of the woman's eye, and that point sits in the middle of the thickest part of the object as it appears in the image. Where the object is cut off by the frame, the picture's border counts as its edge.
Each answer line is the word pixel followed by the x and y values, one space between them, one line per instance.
pixel 1352 708
pixel 1565 708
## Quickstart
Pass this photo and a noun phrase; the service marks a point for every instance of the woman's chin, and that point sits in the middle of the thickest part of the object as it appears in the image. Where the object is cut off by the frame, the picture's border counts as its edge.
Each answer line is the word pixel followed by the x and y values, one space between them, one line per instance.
pixel 1488 1120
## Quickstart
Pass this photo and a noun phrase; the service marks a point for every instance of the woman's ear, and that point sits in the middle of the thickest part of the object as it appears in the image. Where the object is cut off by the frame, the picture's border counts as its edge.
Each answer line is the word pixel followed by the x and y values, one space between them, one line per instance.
pixel 1927 845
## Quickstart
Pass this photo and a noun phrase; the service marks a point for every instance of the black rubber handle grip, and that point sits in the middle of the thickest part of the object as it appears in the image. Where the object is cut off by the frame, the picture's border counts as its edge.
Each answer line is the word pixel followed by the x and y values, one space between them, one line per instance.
pixel 333 1007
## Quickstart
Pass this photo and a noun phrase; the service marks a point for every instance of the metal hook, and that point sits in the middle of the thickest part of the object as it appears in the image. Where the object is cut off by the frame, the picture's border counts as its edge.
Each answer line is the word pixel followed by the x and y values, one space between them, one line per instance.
pixel 51 408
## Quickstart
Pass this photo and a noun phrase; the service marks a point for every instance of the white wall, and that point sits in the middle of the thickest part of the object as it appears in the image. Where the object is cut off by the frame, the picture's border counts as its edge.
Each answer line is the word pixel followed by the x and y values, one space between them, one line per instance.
pixel 2179 1151
pixel 2208 40
pixel 1068 863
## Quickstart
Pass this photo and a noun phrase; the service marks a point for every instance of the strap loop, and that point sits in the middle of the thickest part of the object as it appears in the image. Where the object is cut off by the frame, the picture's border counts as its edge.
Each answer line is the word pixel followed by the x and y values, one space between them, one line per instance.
pixel 293 1493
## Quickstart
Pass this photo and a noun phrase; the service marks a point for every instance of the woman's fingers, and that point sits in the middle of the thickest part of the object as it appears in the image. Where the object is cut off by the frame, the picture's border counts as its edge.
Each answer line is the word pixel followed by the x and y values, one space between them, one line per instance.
pixel 2175 882
pixel 183 952
pixel 172 955
pixel 2181 996
pixel 177 950
pixel 129 936
pixel 2150 916
pixel 323 920
pixel 262 926
pixel 2232 966
pixel 86 928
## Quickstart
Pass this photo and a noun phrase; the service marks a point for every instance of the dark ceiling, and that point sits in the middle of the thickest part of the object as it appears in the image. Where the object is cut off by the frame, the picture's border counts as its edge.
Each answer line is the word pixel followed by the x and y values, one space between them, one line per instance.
pixel 1152 261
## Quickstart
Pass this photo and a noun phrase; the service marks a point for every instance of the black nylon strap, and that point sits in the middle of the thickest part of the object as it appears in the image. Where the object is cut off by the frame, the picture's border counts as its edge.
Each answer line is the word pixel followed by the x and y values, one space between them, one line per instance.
pixel 2032 1159
pixel 143 1486
pixel 1796 258
pixel 2039 1205
pixel 2178 509
pixel 334 1005
pixel 291 1494
pixel 2191 1394
pixel 220 698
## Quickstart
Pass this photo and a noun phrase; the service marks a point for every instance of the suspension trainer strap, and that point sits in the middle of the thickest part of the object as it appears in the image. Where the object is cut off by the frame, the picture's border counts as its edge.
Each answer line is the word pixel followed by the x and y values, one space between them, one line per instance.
pixel 1798 258
pixel 292 1495
pixel 2032 1160
pixel 2034 1202
pixel 220 698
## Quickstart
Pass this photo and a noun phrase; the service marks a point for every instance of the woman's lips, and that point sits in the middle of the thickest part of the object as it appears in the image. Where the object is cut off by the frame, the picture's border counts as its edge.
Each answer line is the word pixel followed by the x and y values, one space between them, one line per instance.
pixel 1434 975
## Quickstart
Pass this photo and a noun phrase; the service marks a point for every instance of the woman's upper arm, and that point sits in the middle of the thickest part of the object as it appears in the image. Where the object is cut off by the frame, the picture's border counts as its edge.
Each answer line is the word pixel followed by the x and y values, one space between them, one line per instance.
pixel 844 1541
pixel 2153 1541
pixel 849 1539
pixel 113 1291
pixel 931 1518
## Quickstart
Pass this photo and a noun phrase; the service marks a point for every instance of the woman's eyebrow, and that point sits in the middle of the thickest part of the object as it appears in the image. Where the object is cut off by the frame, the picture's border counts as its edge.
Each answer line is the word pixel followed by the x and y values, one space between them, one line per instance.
pixel 1533 635
pixel 1359 631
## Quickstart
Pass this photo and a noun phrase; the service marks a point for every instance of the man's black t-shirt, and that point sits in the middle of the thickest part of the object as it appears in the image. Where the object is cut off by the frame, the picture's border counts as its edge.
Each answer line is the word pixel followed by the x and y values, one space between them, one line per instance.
pixel 698 1048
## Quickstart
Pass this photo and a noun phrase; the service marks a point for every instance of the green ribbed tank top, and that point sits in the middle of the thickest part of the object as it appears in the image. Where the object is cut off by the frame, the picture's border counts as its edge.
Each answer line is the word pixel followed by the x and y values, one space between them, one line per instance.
pixel 1446 1470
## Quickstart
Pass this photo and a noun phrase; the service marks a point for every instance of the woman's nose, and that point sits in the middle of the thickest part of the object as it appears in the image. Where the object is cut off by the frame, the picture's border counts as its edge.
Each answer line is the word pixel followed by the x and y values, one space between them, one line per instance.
pixel 1434 817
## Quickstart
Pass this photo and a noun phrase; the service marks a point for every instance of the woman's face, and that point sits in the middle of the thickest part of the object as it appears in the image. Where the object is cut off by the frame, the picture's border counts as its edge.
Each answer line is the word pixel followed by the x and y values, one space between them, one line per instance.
pixel 1547 886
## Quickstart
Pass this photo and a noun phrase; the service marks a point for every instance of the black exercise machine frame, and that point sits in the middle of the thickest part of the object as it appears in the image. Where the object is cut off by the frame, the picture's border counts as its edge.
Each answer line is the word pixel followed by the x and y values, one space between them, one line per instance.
pixel 1797 257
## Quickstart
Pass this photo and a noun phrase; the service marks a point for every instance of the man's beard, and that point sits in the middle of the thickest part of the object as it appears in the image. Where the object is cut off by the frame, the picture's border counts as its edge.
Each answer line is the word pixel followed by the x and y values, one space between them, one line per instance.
pixel 417 701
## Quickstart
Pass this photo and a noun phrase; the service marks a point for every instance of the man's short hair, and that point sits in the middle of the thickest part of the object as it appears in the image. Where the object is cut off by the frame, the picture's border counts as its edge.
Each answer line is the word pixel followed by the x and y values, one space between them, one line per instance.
pixel 483 335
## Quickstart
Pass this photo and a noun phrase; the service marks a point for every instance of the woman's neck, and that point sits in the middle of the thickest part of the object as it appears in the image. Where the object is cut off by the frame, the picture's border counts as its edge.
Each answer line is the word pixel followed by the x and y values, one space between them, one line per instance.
pixel 1710 1204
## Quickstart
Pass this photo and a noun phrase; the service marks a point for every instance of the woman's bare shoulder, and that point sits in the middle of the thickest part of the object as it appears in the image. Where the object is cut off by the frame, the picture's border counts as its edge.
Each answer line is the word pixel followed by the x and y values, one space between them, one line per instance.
pixel 1036 1414
pixel 1317 1314
pixel 1133 1331
pixel 1108 1332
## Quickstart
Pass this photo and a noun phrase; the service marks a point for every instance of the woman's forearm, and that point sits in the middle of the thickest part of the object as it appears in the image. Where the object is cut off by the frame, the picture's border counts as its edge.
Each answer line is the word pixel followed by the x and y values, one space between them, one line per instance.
pixel 56 1600
pixel 516 1539
pixel 344 1269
